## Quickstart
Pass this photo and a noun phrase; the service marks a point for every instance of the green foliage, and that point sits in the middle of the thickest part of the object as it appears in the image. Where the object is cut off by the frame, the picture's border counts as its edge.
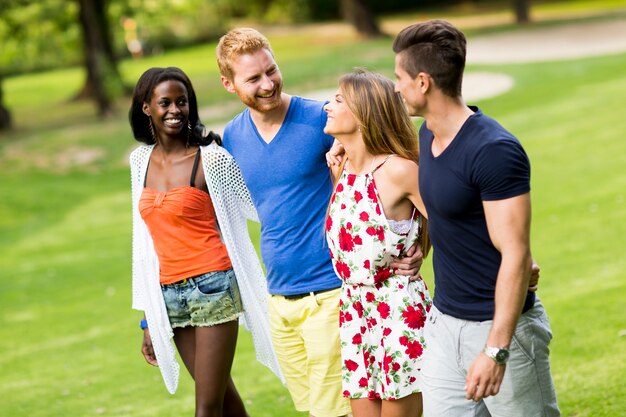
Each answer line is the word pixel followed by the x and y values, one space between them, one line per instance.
pixel 71 343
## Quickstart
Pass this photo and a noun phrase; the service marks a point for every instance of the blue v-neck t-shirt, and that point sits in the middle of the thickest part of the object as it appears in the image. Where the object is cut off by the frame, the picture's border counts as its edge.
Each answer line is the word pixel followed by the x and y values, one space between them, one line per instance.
pixel 290 186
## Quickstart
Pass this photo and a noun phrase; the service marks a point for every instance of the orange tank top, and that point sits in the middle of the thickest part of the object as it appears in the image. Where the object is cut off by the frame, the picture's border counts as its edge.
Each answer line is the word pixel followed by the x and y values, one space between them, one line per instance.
pixel 183 227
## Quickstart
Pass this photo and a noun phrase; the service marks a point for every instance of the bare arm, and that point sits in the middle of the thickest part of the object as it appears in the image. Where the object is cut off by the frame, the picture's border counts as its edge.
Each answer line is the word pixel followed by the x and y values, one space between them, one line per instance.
pixel 508 222
pixel 402 182
pixel 147 349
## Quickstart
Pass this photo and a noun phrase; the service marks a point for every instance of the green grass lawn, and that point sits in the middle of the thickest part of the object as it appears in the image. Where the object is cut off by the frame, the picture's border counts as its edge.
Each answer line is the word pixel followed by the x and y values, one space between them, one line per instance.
pixel 69 343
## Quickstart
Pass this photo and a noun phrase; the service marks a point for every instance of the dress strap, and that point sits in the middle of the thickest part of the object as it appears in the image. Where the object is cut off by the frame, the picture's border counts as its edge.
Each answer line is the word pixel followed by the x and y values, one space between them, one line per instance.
pixel 194 170
pixel 382 163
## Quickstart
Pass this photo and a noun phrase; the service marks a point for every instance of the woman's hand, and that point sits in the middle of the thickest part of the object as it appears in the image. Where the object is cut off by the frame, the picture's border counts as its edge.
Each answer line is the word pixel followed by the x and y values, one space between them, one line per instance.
pixel 335 154
pixel 147 349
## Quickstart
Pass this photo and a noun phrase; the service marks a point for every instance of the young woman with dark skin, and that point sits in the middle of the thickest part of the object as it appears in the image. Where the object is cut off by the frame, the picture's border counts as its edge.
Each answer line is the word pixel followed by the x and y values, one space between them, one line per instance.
pixel 192 261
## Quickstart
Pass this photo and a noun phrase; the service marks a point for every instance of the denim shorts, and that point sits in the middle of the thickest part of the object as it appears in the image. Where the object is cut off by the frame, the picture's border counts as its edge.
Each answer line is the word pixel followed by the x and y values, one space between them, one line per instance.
pixel 205 300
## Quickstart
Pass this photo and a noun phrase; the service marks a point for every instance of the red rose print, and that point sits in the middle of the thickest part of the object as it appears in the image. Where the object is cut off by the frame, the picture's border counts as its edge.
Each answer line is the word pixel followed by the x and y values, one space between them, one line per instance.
pixel 363 382
pixel 382 274
pixel 370 297
pixel 357 240
pixel 342 269
pixel 383 310
pixel 358 196
pixel 366 264
pixel 345 240
pixel 414 318
pixel 356 339
pixel 339 187
pixel 329 222
pixel 404 341
pixel 364 216
pixel 412 380
pixel 378 209
pixel 386 362
pixel 348 225
pixel 386 331
pixel 347 316
pixel 371 192
pixel 414 349
pixel 351 178
pixel 396 366
pixel 351 365
pixel 343 206
pixel 370 231
pixel 381 233
pixel 359 308
pixel 346 394
pixel 363 329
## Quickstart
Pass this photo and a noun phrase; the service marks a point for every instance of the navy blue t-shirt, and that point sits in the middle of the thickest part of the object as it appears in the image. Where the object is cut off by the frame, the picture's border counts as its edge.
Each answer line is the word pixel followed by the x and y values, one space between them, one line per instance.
pixel 290 186
pixel 484 162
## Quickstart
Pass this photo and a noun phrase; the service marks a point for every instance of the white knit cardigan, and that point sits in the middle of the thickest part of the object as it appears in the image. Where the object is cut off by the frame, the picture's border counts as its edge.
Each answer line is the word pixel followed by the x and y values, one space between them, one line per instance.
pixel 233 206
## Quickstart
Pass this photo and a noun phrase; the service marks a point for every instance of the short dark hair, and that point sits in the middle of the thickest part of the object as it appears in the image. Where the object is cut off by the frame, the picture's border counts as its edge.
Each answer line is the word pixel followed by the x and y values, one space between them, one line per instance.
pixel 437 48
pixel 144 89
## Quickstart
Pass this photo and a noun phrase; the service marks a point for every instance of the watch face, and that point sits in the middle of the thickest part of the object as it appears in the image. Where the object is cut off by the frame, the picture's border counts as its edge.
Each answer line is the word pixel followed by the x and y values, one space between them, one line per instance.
pixel 502 356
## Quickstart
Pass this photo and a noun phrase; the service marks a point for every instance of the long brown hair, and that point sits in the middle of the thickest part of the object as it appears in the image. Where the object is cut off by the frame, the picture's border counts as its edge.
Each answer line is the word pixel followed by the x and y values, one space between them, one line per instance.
pixel 385 124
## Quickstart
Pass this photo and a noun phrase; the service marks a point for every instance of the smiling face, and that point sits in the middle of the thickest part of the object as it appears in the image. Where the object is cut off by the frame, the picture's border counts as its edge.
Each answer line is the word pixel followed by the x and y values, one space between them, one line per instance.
pixel 341 120
pixel 256 80
pixel 169 109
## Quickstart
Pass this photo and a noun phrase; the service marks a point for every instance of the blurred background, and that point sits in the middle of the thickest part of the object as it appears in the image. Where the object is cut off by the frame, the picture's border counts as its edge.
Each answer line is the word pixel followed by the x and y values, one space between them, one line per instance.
pixel 553 72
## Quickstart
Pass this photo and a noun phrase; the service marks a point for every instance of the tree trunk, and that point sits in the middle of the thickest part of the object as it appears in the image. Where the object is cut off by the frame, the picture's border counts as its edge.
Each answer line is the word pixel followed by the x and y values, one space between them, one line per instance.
pixel 5 116
pixel 522 10
pixel 361 17
pixel 103 80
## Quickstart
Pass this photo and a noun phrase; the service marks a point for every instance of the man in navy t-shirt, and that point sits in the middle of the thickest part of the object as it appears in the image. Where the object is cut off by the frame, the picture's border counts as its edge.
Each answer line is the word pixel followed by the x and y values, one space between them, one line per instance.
pixel 279 143
pixel 487 334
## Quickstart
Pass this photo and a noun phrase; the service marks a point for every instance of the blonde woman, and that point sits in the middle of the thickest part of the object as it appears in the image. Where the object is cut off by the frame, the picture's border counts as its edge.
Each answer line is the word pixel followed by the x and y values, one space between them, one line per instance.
pixel 374 216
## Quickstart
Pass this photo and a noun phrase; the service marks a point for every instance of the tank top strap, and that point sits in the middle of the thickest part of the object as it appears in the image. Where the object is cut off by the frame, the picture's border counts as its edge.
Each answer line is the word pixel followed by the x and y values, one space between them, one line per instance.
pixel 383 163
pixel 194 170
pixel 145 176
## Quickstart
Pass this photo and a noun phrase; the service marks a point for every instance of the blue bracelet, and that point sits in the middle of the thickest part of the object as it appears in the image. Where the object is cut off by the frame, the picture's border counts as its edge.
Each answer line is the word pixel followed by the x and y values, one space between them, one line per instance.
pixel 143 324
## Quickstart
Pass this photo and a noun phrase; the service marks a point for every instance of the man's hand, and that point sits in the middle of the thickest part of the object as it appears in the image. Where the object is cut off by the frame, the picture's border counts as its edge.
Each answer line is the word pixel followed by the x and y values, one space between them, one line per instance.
pixel 147 349
pixel 335 154
pixel 410 264
pixel 533 284
pixel 484 378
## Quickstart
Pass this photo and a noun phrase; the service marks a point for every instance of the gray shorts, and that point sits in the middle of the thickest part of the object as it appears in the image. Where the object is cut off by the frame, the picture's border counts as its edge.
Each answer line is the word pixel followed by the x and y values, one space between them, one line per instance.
pixel 527 388
pixel 205 300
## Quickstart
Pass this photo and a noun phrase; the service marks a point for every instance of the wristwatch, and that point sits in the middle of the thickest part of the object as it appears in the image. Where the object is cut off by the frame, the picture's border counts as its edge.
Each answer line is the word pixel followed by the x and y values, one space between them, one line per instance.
pixel 500 355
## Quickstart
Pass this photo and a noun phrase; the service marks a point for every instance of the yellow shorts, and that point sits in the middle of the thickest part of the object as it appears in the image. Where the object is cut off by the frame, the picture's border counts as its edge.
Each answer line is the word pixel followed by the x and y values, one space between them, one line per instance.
pixel 305 334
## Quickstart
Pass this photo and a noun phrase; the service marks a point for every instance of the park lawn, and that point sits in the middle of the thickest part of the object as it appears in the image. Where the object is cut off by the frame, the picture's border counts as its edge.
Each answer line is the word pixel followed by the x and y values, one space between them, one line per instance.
pixel 70 343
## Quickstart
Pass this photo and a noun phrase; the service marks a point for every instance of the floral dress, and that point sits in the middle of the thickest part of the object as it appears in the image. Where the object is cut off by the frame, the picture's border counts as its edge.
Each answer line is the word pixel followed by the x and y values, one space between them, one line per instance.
pixel 381 315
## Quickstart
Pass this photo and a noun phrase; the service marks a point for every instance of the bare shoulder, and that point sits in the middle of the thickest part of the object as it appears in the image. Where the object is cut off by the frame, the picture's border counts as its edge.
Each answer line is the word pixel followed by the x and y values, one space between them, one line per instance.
pixel 400 169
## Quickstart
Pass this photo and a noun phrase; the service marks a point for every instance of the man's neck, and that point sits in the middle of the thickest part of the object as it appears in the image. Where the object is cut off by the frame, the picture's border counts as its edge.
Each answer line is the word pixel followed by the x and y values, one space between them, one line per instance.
pixel 268 123
pixel 274 116
pixel 445 118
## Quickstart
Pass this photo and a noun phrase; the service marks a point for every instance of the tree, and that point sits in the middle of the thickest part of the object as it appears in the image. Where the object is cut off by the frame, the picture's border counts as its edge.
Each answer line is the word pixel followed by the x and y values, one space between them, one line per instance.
pixel 5 116
pixel 522 10
pixel 359 14
pixel 104 81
